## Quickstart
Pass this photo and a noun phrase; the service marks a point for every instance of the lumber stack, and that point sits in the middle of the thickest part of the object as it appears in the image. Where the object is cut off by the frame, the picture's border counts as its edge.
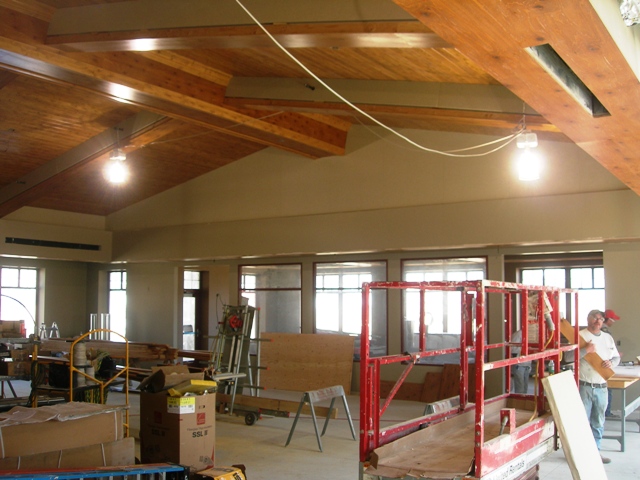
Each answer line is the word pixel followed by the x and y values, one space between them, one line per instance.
pixel 138 351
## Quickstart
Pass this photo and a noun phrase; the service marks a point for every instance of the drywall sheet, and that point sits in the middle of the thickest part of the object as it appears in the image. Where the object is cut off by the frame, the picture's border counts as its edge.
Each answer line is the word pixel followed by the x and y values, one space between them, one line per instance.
pixel 306 362
pixel 568 411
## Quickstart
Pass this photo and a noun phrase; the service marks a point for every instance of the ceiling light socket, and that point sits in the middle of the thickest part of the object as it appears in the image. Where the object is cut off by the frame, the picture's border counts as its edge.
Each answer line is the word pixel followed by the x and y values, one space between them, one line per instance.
pixel 118 155
pixel 527 140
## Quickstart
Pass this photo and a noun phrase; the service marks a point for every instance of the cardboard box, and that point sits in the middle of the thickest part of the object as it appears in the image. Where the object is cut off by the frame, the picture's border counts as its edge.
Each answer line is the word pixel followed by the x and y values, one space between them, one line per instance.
pixel 15 369
pixel 20 354
pixel 166 377
pixel 221 473
pixel 29 431
pixel 12 329
pixel 109 454
pixel 178 429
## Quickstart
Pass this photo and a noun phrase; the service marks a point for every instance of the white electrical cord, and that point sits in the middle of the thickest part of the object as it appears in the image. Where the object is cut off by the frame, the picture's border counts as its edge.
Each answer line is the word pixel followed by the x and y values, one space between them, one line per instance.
pixel 507 139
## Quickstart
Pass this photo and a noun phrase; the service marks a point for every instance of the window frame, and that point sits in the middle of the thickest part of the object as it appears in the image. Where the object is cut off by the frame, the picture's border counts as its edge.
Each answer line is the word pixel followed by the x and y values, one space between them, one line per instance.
pixel 516 264
pixel 31 322
pixel 260 323
pixel 403 273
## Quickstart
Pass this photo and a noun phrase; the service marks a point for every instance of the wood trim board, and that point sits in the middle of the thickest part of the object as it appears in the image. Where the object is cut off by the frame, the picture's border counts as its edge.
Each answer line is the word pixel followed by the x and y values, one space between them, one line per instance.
pixel 578 443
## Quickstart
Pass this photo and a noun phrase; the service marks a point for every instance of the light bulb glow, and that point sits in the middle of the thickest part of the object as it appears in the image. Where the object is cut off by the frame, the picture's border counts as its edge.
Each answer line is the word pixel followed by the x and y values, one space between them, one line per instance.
pixel 528 166
pixel 116 172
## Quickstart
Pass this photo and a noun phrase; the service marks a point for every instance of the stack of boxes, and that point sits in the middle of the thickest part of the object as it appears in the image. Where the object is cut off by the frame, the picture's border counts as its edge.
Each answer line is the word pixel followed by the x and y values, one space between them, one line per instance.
pixel 15 357
pixel 68 435
pixel 179 428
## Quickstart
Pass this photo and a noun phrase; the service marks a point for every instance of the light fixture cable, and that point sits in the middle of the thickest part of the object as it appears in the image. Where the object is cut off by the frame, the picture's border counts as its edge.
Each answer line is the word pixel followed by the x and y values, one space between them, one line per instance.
pixel 508 139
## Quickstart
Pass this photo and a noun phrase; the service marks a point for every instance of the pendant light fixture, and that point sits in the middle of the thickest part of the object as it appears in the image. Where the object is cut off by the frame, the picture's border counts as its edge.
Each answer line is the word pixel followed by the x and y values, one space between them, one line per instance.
pixel 116 171
pixel 528 162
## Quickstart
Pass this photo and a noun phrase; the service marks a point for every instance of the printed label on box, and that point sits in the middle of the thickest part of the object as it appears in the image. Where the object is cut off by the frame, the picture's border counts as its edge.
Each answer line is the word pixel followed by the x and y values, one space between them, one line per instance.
pixel 181 405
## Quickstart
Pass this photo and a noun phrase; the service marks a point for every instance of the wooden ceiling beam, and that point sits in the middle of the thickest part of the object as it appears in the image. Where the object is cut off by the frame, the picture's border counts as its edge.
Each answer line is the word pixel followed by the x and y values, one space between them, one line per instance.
pixel 31 8
pixel 431 118
pixel 152 86
pixel 495 35
pixel 405 34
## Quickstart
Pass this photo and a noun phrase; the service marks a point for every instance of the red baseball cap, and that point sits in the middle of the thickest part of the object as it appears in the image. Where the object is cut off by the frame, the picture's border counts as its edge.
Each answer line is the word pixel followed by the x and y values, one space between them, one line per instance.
pixel 611 314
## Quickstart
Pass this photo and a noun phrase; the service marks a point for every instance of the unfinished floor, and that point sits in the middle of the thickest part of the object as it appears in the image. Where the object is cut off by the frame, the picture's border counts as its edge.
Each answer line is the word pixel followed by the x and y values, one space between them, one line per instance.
pixel 261 447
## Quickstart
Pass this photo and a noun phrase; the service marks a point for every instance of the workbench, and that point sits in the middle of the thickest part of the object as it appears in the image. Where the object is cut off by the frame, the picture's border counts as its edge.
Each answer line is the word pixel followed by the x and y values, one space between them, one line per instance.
pixel 625 377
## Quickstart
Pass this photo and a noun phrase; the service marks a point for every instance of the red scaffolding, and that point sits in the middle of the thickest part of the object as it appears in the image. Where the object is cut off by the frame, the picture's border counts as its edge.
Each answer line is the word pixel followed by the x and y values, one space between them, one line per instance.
pixel 544 345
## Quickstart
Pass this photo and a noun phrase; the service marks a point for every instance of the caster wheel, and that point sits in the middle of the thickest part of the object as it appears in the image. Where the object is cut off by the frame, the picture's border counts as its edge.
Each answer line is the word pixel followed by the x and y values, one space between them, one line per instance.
pixel 250 418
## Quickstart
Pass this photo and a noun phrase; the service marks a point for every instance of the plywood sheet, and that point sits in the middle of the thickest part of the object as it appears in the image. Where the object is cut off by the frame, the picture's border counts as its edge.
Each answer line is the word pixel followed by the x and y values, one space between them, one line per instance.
pixel 443 450
pixel 431 387
pixel 407 391
pixel 578 443
pixel 305 362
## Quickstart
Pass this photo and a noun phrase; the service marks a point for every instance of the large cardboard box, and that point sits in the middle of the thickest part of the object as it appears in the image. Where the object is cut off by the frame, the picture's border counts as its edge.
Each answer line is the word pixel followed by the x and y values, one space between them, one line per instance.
pixel 110 454
pixel 178 429
pixel 29 431
pixel 167 376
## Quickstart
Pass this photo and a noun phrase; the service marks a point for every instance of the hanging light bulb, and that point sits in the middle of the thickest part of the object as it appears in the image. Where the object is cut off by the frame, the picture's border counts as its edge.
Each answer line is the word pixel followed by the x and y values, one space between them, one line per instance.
pixel 630 11
pixel 116 172
pixel 528 165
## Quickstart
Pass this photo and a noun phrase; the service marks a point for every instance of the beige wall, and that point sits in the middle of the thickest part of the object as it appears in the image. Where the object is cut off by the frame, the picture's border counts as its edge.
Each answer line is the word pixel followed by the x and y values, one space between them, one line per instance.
pixel 383 196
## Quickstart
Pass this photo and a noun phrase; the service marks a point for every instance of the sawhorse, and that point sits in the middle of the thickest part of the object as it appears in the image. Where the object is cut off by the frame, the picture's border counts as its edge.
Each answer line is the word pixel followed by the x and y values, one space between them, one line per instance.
pixel 317 396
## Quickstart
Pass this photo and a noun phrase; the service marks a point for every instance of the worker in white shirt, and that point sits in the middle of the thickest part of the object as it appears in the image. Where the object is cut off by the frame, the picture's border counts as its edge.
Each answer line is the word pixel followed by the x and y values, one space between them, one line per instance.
pixel 610 317
pixel 593 387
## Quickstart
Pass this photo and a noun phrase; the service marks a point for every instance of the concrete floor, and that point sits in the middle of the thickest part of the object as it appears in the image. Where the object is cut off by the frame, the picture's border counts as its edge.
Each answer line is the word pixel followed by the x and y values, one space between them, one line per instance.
pixel 261 447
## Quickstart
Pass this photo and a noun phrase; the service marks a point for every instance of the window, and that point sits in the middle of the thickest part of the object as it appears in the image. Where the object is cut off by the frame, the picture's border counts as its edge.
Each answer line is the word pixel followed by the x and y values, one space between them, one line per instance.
pixel 276 291
pixel 338 301
pixel 442 309
pixel 589 281
pixel 189 305
pixel 118 304
pixel 18 287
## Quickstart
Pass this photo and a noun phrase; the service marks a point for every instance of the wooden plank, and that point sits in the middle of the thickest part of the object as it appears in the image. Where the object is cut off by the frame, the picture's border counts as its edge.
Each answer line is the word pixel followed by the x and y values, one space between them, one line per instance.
pixel 431 387
pixel 274 404
pixel 595 361
pixel 578 443
pixel 450 382
pixel 443 450
pixel 568 331
pixel 137 350
pixel 304 362
pixel 592 358
pixel 407 391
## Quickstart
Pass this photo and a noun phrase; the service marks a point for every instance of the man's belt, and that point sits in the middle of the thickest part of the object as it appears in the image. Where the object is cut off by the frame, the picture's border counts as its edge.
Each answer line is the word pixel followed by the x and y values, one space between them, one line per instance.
pixel 593 385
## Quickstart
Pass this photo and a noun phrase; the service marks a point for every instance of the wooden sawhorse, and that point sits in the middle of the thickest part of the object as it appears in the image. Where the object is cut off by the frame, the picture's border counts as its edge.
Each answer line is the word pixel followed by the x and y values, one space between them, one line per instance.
pixel 317 396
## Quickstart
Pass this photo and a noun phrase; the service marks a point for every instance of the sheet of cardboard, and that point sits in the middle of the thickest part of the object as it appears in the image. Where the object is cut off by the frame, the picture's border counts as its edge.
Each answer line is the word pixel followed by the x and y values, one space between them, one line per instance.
pixel 53 428
pixel 109 454
pixel 569 414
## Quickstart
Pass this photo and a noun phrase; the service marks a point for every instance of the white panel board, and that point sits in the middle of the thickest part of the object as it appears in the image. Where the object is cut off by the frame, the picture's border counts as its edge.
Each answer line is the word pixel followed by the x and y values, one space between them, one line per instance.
pixel 571 419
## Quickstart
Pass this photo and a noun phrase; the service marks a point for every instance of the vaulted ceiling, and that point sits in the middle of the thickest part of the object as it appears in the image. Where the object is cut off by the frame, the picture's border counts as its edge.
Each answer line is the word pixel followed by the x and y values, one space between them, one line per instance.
pixel 188 86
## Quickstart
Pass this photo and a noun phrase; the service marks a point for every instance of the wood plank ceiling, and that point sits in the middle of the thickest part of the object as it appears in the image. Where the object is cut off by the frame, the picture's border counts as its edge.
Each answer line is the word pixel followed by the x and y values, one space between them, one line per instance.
pixel 188 86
